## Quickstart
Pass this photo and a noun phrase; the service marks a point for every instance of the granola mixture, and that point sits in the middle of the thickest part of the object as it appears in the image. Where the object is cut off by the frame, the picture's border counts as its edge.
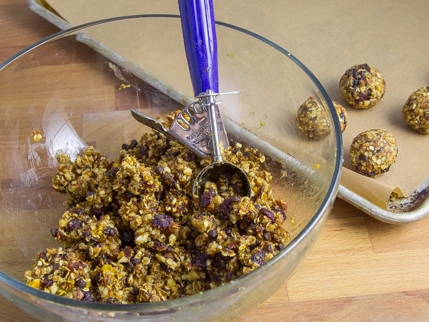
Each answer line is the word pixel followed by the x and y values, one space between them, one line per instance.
pixel 133 233
pixel 313 120
pixel 373 152
pixel 416 110
pixel 362 86
pixel 342 115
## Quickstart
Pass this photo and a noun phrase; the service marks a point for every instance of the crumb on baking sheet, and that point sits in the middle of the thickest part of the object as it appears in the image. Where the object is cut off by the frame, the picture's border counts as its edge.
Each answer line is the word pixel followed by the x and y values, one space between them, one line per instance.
pixel 37 136
pixel 123 86
pixel 132 232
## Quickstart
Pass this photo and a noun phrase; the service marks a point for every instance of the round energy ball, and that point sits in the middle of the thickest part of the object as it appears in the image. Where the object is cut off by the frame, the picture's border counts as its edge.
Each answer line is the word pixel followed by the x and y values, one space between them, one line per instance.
pixel 342 115
pixel 416 110
pixel 313 120
pixel 373 152
pixel 362 86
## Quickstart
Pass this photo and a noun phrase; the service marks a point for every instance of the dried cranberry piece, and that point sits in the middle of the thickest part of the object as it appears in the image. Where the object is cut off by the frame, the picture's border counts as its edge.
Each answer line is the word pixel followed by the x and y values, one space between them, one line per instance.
pixel 212 233
pixel 110 231
pixel 191 247
pixel 127 237
pixel 128 251
pixel 169 179
pixel 112 171
pixel 133 143
pixel 238 188
pixel 364 96
pixel 364 66
pixel 189 156
pixel 135 261
pixel 200 260
pixel 74 266
pixel 227 276
pixel 363 157
pixel 260 193
pixel 129 266
pixel 88 296
pixel 43 255
pixel 175 153
pixel 128 195
pixel 206 199
pixel 47 283
pixel 162 221
pixel 268 214
pixel 74 224
pixel 258 257
pixel 80 283
pixel 97 212
pixel 165 268
pixel 225 177
pixel 79 211
pixel 158 245
pixel 226 206
pixel 96 278
pixel 268 248
pixel 143 151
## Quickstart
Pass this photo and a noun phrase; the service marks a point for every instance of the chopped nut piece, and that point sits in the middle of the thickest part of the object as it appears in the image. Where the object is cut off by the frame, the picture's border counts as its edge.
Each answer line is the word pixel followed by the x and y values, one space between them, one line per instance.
pixel 373 152
pixel 362 86
pixel 416 110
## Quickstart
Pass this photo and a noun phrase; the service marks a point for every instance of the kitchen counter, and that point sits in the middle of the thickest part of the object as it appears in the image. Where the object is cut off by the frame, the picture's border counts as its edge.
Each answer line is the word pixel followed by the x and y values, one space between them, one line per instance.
pixel 360 268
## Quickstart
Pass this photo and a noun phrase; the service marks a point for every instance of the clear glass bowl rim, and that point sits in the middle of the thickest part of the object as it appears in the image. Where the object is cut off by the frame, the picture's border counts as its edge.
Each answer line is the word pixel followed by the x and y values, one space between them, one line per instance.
pixel 225 288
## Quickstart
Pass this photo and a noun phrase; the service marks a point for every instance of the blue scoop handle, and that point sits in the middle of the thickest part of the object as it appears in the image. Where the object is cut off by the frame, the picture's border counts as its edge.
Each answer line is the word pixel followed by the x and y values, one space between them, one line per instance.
pixel 199 35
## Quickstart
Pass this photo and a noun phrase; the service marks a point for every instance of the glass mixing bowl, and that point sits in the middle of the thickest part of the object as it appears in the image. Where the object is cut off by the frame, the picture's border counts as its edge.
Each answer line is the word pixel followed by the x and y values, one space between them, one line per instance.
pixel 76 88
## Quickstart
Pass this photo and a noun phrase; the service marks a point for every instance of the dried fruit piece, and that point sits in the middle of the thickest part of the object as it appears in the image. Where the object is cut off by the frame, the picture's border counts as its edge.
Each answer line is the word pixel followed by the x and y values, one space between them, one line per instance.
pixel 362 86
pixel 162 221
pixel 416 110
pixel 312 119
pixel 373 152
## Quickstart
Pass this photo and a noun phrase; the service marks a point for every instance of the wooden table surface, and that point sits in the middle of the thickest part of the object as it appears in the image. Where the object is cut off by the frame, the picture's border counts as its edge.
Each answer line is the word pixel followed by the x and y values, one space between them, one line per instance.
pixel 360 269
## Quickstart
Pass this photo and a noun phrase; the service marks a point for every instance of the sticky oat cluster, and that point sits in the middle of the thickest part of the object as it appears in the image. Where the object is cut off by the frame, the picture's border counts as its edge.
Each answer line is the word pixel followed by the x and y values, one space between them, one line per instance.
pixel 132 231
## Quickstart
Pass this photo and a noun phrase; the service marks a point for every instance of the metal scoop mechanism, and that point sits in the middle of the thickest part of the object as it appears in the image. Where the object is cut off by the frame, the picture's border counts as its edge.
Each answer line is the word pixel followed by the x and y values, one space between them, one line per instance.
pixel 213 171
pixel 199 126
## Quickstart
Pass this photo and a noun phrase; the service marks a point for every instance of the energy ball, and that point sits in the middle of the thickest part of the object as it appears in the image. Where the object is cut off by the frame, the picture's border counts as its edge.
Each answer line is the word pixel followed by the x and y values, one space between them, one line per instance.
pixel 416 110
pixel 362 86
pixel 373 152
pixel 342 115
pixel 313 120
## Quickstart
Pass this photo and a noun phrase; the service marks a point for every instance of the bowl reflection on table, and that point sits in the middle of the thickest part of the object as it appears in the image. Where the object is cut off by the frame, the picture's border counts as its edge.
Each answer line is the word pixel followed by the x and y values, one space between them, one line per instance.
pixel 68 87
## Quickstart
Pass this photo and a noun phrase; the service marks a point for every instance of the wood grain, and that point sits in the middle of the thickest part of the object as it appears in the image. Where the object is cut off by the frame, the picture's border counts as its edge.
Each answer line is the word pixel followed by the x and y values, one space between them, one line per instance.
pixel 360 269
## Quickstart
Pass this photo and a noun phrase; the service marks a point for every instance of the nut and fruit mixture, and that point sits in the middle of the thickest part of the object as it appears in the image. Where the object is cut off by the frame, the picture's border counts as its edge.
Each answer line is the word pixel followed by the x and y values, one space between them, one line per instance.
pixel 416 110
pixel 362 86
pixel 342 115
pixel 132 231
pixel 313 120
pixel 373 152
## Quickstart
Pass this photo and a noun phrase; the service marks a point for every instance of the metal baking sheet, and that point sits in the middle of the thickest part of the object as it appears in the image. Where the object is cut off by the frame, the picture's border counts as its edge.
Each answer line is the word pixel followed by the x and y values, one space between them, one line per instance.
pixel 398 211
